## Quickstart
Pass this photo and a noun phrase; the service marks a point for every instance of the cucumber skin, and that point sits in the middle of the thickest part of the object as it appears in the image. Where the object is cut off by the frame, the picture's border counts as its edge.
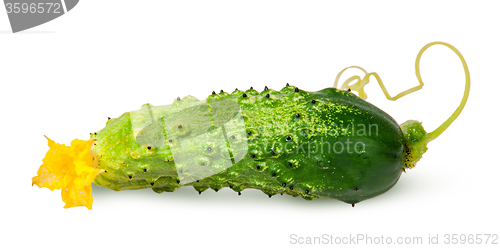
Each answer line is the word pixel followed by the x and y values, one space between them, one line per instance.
pixel 349 177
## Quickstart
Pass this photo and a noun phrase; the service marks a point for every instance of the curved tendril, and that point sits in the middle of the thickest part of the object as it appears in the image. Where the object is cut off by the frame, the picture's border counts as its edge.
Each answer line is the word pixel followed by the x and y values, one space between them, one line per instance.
pixel 434 134
pixel 361 83
pixel 359 86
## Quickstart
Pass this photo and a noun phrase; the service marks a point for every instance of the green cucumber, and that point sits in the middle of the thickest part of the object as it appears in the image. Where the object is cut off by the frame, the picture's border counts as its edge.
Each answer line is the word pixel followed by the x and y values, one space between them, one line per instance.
pixel 325 144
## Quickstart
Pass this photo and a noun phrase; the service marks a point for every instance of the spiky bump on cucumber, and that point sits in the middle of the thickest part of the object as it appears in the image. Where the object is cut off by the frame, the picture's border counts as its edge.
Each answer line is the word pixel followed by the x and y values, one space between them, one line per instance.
pixel 328 143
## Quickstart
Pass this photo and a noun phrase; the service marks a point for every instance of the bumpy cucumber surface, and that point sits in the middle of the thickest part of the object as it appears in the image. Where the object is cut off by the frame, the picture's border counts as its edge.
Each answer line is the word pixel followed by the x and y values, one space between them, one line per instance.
pixel 325 144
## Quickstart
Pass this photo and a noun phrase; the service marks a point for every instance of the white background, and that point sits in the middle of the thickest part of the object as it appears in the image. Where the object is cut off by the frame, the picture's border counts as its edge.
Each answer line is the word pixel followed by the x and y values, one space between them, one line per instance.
pixel 64 78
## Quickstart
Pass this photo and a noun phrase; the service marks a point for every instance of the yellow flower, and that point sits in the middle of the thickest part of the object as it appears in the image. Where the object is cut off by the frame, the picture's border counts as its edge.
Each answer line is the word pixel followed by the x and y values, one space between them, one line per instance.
pixel 71 169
